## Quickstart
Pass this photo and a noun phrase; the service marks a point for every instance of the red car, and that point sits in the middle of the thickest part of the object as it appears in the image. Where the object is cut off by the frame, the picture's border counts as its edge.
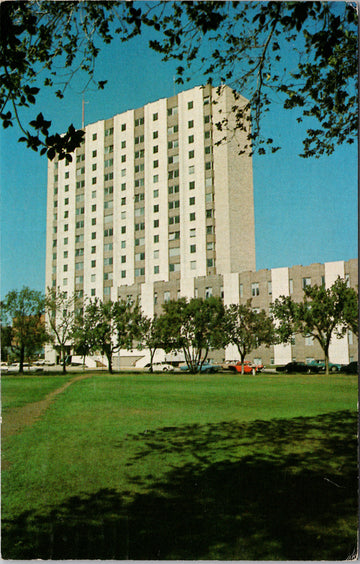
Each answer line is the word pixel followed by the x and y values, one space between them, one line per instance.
pixel 249 367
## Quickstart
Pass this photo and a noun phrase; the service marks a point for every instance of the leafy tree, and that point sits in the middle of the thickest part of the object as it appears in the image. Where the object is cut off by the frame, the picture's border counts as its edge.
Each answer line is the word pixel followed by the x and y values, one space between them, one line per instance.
pixel 247 42
pixel 60 318
pixel 151 335
pixel 111 326
pixel 43 44
pixel 244 45
pixel 81 336
pixel 22 313
pixel 248 329
pixel 351 310
pixel 320 315
pixel 195 327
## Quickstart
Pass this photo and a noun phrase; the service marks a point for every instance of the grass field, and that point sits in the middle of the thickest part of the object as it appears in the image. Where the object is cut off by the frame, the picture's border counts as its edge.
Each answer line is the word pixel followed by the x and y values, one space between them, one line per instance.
pixel 149 467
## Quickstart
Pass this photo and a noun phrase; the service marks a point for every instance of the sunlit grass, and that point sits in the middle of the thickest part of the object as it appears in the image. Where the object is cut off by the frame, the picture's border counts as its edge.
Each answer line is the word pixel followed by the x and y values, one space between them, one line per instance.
pixel 139 435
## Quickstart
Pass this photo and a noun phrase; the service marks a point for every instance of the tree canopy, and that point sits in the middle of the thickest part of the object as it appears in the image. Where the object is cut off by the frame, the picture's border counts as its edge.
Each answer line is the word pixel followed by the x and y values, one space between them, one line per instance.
pixel 247 329
pixel 243 44
pixel 194 326
pixel 22 313
pixel 324 313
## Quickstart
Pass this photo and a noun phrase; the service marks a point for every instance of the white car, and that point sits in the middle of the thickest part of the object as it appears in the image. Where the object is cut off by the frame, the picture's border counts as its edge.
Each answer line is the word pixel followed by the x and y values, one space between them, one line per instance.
pixel 161 367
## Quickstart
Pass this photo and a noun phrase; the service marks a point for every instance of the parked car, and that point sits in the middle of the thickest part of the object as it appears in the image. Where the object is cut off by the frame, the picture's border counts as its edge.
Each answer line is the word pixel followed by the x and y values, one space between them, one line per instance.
pixel 351 368
pixel 227 364
pixel 249 367
pixel 208 366
pixel 292 367
pixel 320 364
pixel 161 367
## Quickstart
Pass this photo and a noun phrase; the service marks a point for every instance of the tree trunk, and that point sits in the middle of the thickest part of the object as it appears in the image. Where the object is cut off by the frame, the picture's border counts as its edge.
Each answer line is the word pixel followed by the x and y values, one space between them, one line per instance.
pixel 21 360
pixel 152 353
pixel 326 351
pixel 63 358
pixel 109 364
pixel 242 356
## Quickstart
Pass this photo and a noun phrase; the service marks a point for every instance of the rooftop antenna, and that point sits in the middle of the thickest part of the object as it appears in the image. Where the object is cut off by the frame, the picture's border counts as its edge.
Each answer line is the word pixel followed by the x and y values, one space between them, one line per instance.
pixel 83 112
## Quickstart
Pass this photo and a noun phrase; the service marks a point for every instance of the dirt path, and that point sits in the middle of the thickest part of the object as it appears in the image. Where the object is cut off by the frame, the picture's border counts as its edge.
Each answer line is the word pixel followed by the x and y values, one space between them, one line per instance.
pixel 19 417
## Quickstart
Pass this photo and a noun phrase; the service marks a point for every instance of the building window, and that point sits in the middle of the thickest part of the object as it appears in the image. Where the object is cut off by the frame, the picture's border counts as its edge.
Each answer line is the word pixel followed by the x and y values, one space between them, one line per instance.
pixel 306 282
pixel 123 127
pixel 192 185
pixel 166 297
pixel 291 286
pixel 193 265
pixel 191 169
pixel 241 290
pixel 155 117
pixel 123 259
pixel 192 248
pixel 192 216
pixel 192 201
pixel 190 105
pixel 94 137
pixel 93 263
pixel 156 208
pixel 269 288
pixel 210 262
pixel 155 134
pixel 156 238
pixel 191 154
pixel 190 124
pixel 156 269
pixel 156 193
pixel 309 340
pixel 193 232
pixel 208 293
pixel 255 289
pixel 155 164
pixel 123 274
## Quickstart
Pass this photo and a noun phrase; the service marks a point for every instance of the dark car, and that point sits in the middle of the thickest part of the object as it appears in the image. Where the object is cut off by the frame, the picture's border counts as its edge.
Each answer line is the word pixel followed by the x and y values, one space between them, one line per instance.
pixel 351 368
pixel 292 367
pixel 333 367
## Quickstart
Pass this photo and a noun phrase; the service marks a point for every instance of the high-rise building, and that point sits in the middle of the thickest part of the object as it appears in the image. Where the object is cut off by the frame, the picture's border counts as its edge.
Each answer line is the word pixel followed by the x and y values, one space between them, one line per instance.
pixel 153 206
pixel 152 196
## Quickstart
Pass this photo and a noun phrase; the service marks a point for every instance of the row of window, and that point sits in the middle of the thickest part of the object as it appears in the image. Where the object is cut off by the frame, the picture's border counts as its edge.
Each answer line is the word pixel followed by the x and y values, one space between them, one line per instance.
pixel 174 189
pixel 210 230
pixel 140 121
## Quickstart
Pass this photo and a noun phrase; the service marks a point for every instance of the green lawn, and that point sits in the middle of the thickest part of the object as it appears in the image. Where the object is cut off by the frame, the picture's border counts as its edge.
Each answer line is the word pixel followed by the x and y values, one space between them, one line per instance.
pixel 223 467
pixel 17 390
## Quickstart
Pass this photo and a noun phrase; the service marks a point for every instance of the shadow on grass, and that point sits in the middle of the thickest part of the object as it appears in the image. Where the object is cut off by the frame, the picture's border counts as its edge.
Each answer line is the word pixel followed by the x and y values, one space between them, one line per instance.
pixel 280 503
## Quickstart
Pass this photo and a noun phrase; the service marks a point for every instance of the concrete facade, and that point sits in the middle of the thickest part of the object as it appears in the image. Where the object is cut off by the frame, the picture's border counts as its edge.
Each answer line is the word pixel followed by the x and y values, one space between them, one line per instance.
pixel 149 196
pixel 263 287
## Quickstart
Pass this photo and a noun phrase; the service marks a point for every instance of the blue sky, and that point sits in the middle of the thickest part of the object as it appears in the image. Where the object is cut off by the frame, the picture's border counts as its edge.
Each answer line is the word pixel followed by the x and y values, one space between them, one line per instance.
pixel 305 209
